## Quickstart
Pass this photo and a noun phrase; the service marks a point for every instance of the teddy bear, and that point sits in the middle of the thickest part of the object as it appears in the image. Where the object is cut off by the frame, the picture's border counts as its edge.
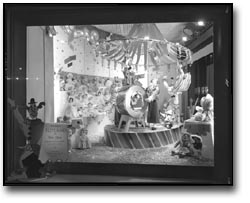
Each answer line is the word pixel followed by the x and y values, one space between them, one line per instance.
pixel 188 145
pixel 205 112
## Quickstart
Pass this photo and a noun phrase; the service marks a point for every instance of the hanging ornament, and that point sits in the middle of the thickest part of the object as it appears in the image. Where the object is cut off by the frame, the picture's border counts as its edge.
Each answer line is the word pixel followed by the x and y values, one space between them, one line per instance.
pixel 67 29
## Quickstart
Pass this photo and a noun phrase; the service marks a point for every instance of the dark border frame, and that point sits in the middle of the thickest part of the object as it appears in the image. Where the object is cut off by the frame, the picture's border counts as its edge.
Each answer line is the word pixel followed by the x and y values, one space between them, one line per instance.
pixel 18 16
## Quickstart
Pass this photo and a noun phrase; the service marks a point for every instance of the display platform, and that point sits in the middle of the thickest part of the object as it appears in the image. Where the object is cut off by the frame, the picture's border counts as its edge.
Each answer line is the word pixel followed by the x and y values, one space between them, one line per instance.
pixel 141 138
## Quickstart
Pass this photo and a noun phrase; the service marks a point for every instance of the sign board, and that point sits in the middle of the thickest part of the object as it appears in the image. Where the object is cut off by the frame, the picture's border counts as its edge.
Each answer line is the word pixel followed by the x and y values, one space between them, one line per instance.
pixel 54 144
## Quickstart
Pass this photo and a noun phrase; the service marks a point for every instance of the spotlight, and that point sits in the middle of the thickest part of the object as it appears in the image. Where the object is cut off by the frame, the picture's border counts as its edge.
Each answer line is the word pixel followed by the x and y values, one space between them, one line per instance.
pixel 17 78
pixel 146 38
pixel 184 39
pixel 201 23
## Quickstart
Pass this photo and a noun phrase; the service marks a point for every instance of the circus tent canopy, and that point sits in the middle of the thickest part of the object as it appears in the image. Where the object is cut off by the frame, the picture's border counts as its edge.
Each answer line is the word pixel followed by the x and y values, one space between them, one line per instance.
pixel 144 43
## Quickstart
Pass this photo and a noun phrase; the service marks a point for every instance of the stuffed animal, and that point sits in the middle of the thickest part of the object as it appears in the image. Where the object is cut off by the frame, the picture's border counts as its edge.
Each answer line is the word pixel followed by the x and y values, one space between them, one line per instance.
pixel 199 115
pixel 205 112
pixel 188 145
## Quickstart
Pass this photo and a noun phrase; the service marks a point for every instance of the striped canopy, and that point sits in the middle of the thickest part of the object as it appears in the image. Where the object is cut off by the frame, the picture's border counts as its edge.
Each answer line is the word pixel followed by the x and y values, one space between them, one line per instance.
pixel 145 44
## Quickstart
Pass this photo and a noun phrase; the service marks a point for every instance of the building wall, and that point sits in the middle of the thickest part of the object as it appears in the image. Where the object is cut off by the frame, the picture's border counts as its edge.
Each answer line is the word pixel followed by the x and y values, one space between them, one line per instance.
pixel 40 70
pixel 35 66
pixel 86 62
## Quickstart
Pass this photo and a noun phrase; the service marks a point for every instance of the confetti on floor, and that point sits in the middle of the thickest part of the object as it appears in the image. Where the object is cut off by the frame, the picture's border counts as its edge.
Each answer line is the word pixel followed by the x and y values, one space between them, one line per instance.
pixel 158 156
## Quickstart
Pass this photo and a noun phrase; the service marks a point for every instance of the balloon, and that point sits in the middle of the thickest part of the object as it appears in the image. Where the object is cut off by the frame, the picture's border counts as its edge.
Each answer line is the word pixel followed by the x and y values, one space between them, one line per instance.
pixel 86 32
pixel 92 39
pixel 94 35
pixel 67 28
pixel 72 27
pixel 78 33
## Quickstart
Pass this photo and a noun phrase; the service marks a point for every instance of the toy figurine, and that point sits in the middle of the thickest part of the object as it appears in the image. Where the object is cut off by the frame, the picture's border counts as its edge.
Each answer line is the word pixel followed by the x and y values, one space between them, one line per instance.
pixel 167 116
pixel 153 94
pixel 188 145
pixel 181 84
pixel 136 101
pixel 33 108
pixel 28 161
pixel 71 109
pixel 84 142
pixel 129 74
pixel 205 112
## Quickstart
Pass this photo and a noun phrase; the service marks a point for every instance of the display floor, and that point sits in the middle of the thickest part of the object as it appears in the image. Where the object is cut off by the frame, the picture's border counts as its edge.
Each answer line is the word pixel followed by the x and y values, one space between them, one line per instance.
pixel 158 156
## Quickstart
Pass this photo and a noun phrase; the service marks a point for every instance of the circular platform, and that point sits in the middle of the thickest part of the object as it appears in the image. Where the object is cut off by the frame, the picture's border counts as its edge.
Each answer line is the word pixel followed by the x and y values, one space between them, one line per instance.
pixel 141 138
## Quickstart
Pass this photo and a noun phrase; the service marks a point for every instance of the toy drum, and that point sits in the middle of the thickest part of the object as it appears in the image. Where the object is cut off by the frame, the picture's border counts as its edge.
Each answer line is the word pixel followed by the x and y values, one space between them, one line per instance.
pixel 131 101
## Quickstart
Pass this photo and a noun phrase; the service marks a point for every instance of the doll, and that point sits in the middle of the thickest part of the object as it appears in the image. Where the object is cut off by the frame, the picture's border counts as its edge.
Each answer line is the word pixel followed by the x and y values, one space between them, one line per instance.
pixel 167 115
pixel 152 99
pixel 84 142
pixel 71 110
pixel 129 74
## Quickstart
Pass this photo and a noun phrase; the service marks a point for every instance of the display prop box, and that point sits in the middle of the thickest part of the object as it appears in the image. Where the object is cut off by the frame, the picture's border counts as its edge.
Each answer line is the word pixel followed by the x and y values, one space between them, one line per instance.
pixel 206 131
pixel 54 145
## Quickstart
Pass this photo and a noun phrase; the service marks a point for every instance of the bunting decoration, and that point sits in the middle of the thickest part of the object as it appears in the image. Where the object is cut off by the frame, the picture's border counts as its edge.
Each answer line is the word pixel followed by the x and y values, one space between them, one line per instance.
pixel 142 44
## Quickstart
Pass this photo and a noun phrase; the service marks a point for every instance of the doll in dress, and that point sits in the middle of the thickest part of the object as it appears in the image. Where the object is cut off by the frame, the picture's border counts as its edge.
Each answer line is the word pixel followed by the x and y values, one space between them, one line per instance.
pixel 71 110
pixel 153 94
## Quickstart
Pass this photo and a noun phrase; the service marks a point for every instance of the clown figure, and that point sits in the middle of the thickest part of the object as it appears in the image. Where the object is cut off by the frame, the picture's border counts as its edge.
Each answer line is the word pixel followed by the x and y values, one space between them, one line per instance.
pixel 33 108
